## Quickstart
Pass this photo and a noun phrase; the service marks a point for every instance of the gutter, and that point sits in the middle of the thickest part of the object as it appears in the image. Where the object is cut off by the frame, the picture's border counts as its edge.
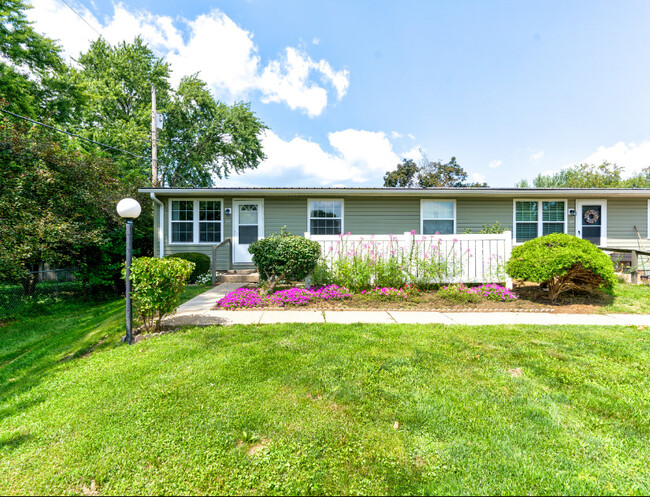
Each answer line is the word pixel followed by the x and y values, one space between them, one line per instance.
pixel 161 251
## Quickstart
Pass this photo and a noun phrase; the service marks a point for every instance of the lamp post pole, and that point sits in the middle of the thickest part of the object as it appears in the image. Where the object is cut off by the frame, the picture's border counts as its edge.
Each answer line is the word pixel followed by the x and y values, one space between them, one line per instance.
pixel 128 209
pixel 129 256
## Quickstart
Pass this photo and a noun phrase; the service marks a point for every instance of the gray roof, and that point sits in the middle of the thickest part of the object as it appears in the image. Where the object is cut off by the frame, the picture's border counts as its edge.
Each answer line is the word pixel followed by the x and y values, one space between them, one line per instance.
pixel 398 192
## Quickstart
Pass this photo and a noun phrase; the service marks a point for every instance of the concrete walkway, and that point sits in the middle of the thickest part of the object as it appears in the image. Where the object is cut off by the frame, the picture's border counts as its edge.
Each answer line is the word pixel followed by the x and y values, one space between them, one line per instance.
pixel 199 311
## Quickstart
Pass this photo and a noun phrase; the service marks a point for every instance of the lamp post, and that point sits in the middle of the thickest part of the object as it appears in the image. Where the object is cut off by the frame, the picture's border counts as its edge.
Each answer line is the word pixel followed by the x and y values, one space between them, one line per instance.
pixel 128 209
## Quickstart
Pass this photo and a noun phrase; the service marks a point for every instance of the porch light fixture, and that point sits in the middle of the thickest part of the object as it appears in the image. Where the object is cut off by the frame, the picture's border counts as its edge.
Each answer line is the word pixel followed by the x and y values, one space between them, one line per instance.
pixel 128 209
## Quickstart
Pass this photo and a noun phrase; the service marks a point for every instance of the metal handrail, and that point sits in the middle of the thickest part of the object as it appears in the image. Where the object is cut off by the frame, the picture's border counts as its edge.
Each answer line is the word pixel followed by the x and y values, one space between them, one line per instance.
pixel 228 240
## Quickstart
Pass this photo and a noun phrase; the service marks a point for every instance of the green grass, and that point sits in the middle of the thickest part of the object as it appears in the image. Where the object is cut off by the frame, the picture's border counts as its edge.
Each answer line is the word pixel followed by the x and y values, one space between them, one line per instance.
pixel 311 409
pixel 629 299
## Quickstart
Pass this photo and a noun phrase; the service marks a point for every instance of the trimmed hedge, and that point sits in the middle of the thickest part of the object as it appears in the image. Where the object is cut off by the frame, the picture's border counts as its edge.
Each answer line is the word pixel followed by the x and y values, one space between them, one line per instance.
pixel 562 262
pixel 284 257
pixel 201 263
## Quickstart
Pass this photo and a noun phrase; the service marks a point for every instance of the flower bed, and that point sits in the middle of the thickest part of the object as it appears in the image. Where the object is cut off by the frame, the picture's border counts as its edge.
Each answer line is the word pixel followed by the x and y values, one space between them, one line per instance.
pixel 250 297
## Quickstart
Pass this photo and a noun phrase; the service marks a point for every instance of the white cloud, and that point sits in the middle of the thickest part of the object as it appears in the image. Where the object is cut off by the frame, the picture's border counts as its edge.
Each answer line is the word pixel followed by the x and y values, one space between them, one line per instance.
pixel 414 154
pixel 359 157
pixel 212 45
pixel 315 41
pixel 478 178
pixel 536 156
pixel 495 163
pixel 411 136
pixel 632 156
pixel 395 134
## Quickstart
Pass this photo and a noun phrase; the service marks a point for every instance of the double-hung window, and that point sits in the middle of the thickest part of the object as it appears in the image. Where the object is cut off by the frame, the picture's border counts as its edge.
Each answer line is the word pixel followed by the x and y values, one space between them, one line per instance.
pixel 438 217
pixel 535 218
pixel 209 221
pixel 326 217
pixel 182 222
pixel 195 221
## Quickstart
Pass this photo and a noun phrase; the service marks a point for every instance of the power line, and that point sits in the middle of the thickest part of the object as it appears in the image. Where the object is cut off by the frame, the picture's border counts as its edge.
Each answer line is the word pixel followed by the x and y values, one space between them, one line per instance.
pixel 88 140
pixel 82 18
pixel 73 135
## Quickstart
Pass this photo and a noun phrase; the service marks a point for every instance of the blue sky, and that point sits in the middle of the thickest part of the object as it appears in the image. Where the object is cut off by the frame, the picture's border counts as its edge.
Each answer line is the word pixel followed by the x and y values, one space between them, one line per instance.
pixel 348 89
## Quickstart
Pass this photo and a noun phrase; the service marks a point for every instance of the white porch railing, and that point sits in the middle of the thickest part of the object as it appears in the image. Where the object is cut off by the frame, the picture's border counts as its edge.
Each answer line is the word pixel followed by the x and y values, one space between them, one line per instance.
pixel 475 258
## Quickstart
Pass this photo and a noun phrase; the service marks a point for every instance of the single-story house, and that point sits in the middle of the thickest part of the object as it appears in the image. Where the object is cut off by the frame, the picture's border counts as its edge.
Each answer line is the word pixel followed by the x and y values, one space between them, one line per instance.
pixel 196 219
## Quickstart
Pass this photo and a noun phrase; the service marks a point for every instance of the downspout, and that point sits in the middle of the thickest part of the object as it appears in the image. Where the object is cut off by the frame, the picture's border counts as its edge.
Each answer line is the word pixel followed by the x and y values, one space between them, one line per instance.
pixel 161 251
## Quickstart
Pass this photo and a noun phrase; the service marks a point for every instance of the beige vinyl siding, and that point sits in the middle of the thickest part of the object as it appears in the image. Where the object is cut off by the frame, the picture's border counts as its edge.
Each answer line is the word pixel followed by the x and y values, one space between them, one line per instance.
pixel 622 216
pixel 381 215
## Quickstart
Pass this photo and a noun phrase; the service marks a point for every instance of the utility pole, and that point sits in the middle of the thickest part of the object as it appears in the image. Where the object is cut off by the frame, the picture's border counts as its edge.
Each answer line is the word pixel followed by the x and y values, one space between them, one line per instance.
pixel 154 139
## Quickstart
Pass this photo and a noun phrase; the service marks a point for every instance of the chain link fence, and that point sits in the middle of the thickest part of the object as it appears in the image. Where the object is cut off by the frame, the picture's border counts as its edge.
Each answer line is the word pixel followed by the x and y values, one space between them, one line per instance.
pixel 38 287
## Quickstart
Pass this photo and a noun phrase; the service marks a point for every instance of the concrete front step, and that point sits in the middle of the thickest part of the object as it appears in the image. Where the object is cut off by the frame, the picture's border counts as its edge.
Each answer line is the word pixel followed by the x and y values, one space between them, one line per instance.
pixel 238 278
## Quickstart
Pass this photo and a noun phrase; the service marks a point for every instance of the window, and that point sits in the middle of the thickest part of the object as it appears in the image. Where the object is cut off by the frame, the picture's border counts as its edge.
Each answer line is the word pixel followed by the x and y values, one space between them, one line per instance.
pixel 438 217
pixel 326 217
pixel 209 221
pixel 195 221
pixel 182 221
pixel 535 218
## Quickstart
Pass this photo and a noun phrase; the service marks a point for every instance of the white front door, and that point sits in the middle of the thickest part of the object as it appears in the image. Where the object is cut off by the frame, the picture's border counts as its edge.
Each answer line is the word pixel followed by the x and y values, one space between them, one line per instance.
pixel 247 227
pixel 591 221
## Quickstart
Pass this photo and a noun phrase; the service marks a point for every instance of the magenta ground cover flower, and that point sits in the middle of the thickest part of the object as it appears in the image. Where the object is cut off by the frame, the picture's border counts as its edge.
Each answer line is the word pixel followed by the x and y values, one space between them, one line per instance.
pixel 242 297
pixel 292 296
pixel 491 291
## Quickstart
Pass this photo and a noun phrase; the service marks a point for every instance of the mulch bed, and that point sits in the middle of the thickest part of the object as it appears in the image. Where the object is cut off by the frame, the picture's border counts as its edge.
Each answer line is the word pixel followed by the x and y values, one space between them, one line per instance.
pixel 532 298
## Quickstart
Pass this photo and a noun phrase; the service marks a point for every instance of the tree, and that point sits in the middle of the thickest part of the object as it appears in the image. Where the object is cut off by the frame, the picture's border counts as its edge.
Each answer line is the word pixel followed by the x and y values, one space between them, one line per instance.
pixel 404 176
pixel 34 80
pixel 428 174
pixel 605 175
pixel 56 203
pixel 203 138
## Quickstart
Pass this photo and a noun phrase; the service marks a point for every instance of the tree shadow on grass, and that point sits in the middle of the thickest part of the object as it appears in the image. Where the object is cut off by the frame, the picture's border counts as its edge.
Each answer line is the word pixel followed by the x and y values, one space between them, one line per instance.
pixel 32 347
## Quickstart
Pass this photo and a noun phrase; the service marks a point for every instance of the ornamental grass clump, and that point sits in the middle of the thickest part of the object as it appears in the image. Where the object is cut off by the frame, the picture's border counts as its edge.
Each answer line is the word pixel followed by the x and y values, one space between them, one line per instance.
pixel 241 298
pixel 562 262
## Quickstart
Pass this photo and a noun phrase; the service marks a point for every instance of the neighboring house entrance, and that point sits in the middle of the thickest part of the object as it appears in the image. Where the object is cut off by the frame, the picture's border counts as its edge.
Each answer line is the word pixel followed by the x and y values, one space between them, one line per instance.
pixel 247 227
pixel 591 221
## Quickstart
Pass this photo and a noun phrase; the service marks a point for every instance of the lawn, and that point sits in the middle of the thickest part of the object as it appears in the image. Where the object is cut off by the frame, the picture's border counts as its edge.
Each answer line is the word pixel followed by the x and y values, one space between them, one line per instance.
pixel 313 409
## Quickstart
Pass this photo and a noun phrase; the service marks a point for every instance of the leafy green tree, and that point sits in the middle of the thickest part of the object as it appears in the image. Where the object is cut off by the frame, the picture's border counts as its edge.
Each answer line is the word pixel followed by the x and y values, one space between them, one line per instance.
pixel 605 175
pixel 118 80
pixel 404 176
pixel 34 80
pixel 428 174
pixel 55 202
pixel 203 138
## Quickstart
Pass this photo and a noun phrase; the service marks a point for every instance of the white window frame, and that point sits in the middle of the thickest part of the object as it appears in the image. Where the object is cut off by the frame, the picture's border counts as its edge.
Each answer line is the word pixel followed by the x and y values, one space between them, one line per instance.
pixel 195 220
pixel 648 226
pixel 540 215
pixel 423 200
pixel 309 218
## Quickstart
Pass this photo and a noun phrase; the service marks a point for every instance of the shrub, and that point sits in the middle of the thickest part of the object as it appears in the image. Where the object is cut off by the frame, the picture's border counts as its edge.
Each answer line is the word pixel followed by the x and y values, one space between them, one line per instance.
pixel 201 263
pixel 562 262
pixel 458 293
pixel 157 285
pixel 284 257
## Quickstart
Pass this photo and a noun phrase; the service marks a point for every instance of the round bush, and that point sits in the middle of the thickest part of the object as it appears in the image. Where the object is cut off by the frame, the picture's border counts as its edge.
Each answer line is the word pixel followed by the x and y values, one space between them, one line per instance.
pixel 201 263
pixel 562 262
pixel 284 257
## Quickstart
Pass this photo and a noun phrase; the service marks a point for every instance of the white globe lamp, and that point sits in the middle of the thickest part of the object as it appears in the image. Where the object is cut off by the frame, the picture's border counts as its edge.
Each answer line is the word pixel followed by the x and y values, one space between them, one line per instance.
pixel 128 208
